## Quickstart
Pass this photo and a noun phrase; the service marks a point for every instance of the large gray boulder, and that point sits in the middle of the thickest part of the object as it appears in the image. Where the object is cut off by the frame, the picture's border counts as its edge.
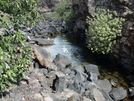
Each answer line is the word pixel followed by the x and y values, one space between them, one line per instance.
pixel 61 61
pixel 43 57
pixel 76 79
pixel 60 82
pixel 92 71
pixel 104 85
pixel 118 93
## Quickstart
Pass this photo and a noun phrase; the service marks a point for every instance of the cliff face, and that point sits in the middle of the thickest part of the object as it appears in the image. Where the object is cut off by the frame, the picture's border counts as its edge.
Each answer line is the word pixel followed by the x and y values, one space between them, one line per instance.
pixel 123 51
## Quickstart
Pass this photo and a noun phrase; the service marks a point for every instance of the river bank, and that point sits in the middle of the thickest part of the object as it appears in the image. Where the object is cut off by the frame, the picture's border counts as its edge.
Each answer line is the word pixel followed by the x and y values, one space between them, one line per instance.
pixel 54 76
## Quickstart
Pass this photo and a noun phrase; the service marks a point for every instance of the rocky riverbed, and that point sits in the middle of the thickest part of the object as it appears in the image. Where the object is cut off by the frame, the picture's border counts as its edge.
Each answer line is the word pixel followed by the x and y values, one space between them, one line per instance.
pixel 56 79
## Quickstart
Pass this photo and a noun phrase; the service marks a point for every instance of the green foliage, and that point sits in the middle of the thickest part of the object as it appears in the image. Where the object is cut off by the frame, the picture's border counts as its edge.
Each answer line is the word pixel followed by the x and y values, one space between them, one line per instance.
pixel 14 53
pixel 19 12
pixel 64 11
pixel 105 27
pixel 14 59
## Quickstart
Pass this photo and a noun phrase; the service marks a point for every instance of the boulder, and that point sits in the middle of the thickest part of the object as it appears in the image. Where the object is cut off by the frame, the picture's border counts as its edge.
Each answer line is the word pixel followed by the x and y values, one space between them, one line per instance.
pixel 45 32
pixel 61 61
pixel 42 56
pixel 60 82
pixel 44 42
pixel 92 68
pixel 92 71
pixel 86 99
pixel 106 96
pixel 104 85
pixel 52 28
pixel 118 93
pixel 71 95
pixel 98 96
pixel 76 79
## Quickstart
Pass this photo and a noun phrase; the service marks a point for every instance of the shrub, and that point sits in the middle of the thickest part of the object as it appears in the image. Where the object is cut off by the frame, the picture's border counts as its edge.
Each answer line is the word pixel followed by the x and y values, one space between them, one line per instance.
pixel 14 53
pixel 104 28
pixel 64 11
pixel 14 59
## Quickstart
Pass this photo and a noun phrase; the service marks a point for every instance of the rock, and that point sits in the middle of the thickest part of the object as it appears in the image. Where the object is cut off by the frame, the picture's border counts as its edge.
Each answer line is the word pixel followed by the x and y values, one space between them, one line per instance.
pixel 92 68
pixel 16 96
pixel 44 32
pixel 86 99
pixel 34 83
pixel 98 96
pixel 106 96
pixel 59 82
pixel 51 76
pixel 92 71
pixel 131 90
pixel 44 42
pixel 71 95
pixel 75 97
pixel 61 61
pixel 36 97
pixel 118 93
pixel 52 28
pixel 79 74
pixel 75 79
pixel 104 85
pixel 42 56
pixel 90 85
pixel 48 96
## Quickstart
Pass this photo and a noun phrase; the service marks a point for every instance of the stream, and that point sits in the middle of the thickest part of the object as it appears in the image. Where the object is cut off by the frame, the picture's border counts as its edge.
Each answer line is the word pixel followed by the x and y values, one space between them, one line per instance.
pixel 79 55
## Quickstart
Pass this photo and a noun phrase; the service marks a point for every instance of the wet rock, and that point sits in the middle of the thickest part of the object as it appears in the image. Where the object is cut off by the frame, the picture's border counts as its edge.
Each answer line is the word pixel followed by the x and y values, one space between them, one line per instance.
pixel 61 61
pixel 59 82
pixel 104 85
pixel 118 93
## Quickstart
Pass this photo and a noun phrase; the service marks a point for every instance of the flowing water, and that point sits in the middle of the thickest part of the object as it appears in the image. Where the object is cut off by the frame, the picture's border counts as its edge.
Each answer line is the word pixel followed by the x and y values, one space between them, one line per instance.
pixel 79 55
